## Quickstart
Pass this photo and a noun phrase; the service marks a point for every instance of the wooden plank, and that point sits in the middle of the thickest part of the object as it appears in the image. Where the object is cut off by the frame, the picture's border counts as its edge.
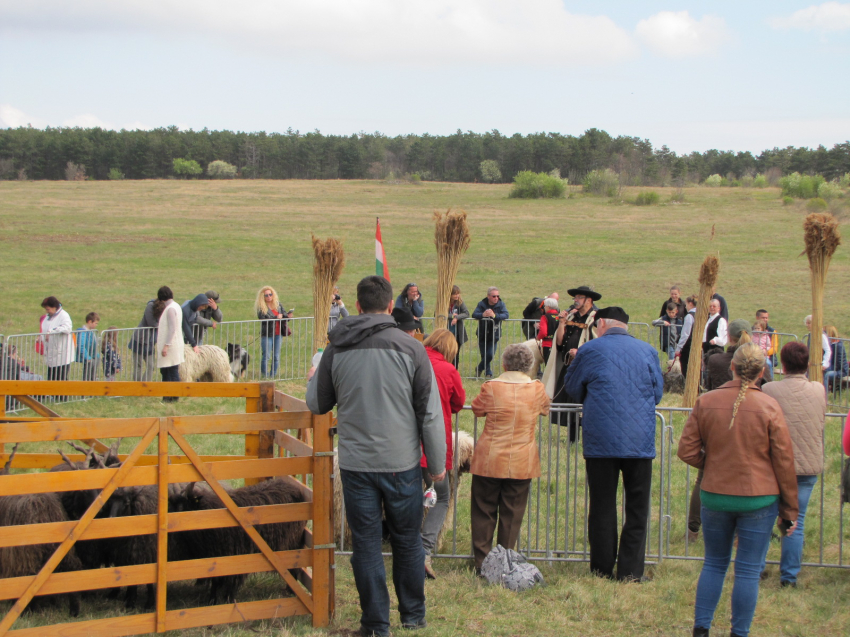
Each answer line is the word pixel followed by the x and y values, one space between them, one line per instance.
pixel 323 512
pixel 101 578
pixel 252 440
pixel 54 430
pixel 285 402
pixel 50 460
pixel 162 526
pixel 240 423
pixel 265 442
pixel 292 444
pixel 243 521
pixel 47 482
pixel 127 388
pixel 54 560
pixel 37 407
pixel 54 532
pixel 176 619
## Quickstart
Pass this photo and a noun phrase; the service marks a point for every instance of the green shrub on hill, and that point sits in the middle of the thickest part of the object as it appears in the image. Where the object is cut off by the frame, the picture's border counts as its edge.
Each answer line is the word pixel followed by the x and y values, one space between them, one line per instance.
pixel 801 186
pixel 490 172
pixel 186 167
pixel 713 181
pixel 829 190
pixel 602 182
pixel 531 185
pixel 649 198
pixel 221 170
pixel 760 181
pixel 816 205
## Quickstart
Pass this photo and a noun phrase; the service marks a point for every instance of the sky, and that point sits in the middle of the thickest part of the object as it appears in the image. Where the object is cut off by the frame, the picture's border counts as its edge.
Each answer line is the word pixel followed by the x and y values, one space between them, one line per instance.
pixel 744 75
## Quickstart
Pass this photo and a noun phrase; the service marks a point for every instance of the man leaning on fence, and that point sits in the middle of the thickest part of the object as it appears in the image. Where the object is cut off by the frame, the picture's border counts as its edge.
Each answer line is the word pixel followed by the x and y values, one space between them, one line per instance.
pixel 388 404
pixel 617 378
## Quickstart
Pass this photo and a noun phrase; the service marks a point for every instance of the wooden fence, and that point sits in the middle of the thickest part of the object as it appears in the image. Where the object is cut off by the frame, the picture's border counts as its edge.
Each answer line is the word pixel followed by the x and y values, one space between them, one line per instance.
pixel 269 414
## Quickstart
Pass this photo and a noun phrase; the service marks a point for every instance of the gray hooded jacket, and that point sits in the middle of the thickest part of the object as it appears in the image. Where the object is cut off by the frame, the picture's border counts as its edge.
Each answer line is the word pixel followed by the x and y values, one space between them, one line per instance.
pixel 386 395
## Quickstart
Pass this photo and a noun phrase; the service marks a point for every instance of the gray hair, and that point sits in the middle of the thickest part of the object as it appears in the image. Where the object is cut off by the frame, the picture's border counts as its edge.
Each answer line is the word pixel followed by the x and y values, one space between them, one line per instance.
pixel 807 320
pixel 613 323
pixel 517 358
pixel 492 289
pixel 550 303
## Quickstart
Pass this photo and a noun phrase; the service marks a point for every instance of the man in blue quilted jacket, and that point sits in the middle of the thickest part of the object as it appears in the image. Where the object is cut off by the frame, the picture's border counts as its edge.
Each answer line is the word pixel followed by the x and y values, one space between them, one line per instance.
pixel 617 378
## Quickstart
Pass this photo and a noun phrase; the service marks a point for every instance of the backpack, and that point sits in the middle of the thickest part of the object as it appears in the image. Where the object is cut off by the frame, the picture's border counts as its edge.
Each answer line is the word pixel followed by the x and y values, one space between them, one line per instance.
pixel 508 568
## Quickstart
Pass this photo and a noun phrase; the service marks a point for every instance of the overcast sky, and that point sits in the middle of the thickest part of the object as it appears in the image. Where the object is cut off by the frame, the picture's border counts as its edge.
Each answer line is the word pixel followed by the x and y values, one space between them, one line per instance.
pixel 743 75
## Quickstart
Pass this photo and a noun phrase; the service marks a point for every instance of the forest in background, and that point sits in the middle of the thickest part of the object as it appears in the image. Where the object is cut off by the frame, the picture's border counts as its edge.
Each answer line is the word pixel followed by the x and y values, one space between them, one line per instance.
pixel 95 153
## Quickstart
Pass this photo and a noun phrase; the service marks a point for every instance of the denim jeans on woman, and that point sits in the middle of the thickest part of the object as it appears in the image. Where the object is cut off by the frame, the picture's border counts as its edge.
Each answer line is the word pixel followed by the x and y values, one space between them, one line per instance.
pixel 266 345
pixel 792 547
pixel 436 514
pixel 719 528
pixel 400 496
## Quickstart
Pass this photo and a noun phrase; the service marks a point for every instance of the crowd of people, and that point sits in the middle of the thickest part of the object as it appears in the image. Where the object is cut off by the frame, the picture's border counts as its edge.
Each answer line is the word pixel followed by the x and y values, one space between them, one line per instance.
pixel 758 445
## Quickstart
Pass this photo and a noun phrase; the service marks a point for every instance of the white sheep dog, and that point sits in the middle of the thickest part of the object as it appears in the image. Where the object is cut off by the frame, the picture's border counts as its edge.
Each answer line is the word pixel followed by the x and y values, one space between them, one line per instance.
pixel 209 365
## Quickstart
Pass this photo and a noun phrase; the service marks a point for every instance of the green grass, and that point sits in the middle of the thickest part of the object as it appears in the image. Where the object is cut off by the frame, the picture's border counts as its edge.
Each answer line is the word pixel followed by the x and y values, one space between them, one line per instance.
pixel 107 246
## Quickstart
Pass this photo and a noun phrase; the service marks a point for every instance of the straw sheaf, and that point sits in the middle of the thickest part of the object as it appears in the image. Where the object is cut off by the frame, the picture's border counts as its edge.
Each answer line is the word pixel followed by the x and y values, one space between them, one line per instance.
pixel 452 239
pixel 821 235
pixel 709 270
pixel 328 263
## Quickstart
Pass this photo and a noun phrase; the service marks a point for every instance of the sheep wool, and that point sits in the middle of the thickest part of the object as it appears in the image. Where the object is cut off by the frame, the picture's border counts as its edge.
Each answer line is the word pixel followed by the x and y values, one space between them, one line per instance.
pixel 209 365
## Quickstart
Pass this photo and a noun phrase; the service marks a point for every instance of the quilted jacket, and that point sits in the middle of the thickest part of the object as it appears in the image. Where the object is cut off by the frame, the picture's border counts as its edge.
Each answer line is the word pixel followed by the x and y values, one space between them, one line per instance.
pixel 803 404
pixel 618 380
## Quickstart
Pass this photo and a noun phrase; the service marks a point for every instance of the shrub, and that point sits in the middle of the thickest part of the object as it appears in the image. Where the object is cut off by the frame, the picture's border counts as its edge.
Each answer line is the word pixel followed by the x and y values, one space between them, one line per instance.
pixel 647 198
pixel 735 183
pixel 760 181
pixel 844 181
pixel 713 181
pixel 677 196
pixel 221 170
pixel 787 200
pixel 115 174
pixel 829 190
pixel 490 171
pixel 414 178
pixel 531 185
pixel 816 205
pixel 724 181
pixel 801 186
pixel 602 182
pixel 747 181
pixel 75 172
pixel 186 167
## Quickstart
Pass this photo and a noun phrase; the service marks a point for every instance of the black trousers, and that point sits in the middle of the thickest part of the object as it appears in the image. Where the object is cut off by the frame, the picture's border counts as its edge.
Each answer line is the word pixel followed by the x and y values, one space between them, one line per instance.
pixel 170 375
pixel 603 477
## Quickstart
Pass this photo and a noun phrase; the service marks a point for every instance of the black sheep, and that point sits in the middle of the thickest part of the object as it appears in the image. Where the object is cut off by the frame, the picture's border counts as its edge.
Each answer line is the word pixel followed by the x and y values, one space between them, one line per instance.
pixel 281 536
pixel 34 508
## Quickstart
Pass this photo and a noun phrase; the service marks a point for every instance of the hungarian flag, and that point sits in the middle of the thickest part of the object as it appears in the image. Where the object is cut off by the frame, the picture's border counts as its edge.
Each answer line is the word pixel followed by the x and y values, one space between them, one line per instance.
pixel 381 268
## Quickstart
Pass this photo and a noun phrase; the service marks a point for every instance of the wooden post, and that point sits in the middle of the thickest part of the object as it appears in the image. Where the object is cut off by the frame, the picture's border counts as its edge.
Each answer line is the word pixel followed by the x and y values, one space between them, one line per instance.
pixel 323 547
pixel 252 440
pixel 162 523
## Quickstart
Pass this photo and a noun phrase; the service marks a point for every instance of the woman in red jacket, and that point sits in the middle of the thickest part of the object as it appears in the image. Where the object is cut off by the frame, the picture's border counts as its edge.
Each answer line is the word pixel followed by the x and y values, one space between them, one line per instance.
pixel 441 347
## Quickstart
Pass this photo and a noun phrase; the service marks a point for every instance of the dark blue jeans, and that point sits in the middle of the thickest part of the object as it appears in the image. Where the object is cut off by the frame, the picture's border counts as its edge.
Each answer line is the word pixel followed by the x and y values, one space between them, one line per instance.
pixel 400 496
pixel 718 530
pixel 487 348
pixel 792 547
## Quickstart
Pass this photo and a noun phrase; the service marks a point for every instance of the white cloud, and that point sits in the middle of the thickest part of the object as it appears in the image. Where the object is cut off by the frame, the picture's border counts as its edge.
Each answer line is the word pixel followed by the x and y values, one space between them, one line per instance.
pixel 406 32
pixel 86 120
pixel 829 16
pixel 11 117
pixel 676 34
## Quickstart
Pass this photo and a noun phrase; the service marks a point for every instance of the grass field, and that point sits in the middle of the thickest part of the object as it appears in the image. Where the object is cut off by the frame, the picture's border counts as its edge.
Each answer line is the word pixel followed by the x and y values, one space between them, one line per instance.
pixel 107 246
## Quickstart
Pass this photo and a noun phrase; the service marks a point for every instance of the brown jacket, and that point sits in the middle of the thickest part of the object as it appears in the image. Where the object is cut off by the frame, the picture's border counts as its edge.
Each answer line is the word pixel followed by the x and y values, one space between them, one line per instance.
pixel 803 404
pixel 507 448
pixel 754 457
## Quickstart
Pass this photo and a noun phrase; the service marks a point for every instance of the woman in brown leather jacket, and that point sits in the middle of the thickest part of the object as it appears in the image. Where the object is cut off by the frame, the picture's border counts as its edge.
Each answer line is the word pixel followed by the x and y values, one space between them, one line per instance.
pixel 506 456
pixel 738 436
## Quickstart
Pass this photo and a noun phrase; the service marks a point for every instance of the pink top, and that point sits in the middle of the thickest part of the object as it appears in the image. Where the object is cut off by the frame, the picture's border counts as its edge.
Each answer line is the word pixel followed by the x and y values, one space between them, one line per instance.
pixel 846 439
pixel 762 339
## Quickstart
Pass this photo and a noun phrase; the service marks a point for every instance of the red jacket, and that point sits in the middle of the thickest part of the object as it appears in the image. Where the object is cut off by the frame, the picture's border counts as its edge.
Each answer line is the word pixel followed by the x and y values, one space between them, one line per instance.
pixel 543 329
pixel 452 397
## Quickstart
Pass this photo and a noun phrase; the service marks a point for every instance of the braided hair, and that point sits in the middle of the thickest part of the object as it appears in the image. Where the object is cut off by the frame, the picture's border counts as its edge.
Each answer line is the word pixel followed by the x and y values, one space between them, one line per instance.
pixel 749 361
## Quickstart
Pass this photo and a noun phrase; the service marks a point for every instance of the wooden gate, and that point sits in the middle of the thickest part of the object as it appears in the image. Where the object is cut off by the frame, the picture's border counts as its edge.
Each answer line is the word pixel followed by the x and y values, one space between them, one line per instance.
pixel 269 414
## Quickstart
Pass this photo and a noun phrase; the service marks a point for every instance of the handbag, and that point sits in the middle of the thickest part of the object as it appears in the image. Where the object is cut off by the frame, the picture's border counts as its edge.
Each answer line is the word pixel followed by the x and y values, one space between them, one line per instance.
pixel 845 482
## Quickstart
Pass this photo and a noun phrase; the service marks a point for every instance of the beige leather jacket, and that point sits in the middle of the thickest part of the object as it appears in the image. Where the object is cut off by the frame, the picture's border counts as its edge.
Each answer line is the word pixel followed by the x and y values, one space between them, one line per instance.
pixel 803 404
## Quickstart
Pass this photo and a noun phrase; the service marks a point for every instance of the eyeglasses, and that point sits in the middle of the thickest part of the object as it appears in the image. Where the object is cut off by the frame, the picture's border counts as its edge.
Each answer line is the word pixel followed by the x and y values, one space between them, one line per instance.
pixel 267 294
pixel 494 296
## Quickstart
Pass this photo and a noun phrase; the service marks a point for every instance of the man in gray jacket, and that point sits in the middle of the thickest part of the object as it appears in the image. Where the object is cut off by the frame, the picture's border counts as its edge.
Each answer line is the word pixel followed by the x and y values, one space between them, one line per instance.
pixel 388 404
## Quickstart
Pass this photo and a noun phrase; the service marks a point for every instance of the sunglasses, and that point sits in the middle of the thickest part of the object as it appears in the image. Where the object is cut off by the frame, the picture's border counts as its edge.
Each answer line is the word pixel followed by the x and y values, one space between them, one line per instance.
pixel 267 294
pixel 494 296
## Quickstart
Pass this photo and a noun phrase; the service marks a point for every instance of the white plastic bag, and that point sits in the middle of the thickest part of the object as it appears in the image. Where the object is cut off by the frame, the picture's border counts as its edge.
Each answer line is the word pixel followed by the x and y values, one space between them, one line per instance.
pixel 508 568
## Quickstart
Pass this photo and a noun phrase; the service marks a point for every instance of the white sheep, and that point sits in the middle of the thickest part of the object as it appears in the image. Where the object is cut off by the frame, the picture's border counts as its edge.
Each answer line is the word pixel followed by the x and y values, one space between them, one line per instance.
pixel 209 365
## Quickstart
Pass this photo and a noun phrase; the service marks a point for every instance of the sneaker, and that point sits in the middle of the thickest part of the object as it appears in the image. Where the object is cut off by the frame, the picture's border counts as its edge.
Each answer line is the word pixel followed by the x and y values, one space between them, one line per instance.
pixel 420 624
pixel 429 570
pixel 787 584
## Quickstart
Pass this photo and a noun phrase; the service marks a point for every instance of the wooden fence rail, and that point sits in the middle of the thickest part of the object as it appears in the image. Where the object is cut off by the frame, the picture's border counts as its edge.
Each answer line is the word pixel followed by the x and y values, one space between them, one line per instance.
pixel 307 571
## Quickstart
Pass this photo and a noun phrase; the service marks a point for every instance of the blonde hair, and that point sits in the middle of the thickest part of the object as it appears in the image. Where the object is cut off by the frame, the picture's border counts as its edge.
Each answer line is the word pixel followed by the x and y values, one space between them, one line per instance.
pixel 444 342
pixel 110 337
pixel 831 331
pixel 749 361
pixel 742 339
pixel 260 304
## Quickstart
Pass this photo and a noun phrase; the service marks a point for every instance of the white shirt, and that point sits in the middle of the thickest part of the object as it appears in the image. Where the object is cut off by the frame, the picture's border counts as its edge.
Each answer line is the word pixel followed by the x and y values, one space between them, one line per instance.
pixel 722 337
pixel 686 330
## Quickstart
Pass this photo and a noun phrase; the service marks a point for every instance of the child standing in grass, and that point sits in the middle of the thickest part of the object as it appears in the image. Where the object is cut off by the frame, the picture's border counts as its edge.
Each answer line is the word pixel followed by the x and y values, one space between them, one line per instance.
pixel 111 355
pixel 87 346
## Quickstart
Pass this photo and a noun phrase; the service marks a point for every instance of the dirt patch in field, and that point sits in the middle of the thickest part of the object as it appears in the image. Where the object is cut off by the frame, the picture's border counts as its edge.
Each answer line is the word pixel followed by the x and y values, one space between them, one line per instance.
pixel 83 239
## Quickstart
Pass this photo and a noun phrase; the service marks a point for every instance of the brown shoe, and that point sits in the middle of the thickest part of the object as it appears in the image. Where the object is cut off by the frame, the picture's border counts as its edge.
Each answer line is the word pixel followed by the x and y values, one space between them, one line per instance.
pixel 693 536
pixel 429 570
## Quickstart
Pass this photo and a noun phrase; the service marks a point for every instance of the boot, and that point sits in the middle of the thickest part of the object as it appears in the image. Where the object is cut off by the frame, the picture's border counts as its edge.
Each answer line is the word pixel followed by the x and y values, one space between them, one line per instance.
pixel 700 632
pixel 429 570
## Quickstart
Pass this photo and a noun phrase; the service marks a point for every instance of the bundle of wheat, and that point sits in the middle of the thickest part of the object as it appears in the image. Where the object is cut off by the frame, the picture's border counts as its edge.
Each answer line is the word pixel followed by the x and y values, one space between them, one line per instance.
pixel 328 263
pixel 822 238
pixel 707 280
pixel 451 236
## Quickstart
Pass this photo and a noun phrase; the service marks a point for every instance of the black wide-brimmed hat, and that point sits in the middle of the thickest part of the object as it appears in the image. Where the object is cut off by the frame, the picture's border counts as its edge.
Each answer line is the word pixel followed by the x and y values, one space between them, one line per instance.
pixel 614 313
pixel 404 317
pixel 585 290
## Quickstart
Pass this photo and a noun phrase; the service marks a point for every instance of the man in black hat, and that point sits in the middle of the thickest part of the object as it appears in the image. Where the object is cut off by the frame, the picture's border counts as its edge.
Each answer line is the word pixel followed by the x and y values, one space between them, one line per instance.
pixel 405 320
pixel 575 328
pixel 618 380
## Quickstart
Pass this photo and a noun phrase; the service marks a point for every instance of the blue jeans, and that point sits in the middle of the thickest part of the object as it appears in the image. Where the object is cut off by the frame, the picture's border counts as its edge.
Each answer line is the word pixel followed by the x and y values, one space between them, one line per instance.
pixel 718 529
pixel 832 378
pixel 400 496
pixel 792 547
pixel 266 343
pixel 487 348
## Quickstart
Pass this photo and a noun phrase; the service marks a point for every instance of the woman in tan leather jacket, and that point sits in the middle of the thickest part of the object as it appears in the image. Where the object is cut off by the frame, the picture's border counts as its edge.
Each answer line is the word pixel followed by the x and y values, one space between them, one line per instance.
pixel 738 436
pixel 506 456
